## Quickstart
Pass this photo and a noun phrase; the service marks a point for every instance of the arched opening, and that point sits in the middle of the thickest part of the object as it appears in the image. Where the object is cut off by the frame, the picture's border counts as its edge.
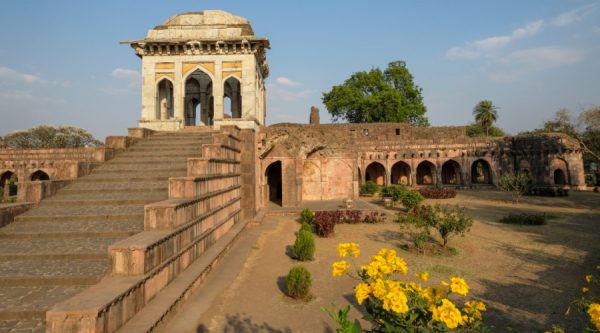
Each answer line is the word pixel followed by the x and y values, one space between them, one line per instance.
pixel 451 173
pixel 425 173
pixel 401 173
pixel 164 100
pixel 8 183
pixel 524 166
pixel 559 177
pixel 231 90
pixel 376 173
pixel 274 183
pixel 481 172
pixel 199 109
pixel 39 175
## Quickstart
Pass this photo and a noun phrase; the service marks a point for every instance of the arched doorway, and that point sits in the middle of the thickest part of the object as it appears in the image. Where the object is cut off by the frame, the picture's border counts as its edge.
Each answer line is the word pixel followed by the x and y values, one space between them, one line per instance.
pixel 164 100
pixel 481 172
pixel 559 177
pixel 425 173
pixel 8 183
pixel 39 175
pixel 524 166
pixel 451 173
pixel 199 109
pixel 401 173
pixel 376 173
pixel 274 183
pixel 231 91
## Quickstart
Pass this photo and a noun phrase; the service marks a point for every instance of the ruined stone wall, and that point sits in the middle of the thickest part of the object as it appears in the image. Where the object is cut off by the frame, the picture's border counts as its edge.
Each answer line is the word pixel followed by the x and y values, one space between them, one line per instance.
pixel 322 162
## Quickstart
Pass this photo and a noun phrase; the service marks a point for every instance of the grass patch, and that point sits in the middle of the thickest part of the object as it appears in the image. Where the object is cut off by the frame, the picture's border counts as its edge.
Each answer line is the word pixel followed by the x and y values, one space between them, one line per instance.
pixel 526 218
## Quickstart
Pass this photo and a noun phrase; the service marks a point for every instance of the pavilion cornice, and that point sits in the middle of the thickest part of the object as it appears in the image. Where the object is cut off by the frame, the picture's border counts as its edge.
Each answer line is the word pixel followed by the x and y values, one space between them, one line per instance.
pixel 171 47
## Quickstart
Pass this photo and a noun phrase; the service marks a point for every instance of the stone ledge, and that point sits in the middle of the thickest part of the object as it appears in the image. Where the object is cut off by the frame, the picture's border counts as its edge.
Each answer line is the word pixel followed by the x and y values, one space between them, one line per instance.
pixel 144 251
pixel 194 186
pixel 172 213
pixel 107 306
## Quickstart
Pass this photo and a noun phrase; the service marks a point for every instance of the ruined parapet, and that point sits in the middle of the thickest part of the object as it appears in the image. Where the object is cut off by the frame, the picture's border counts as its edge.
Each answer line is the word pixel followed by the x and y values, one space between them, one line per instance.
pixel 315 119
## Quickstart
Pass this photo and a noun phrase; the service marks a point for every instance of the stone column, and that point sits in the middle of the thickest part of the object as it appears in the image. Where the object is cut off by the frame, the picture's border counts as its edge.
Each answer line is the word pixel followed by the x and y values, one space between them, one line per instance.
pixel 203 108
pixel 179 94
pixel 218 91
pixel 236 110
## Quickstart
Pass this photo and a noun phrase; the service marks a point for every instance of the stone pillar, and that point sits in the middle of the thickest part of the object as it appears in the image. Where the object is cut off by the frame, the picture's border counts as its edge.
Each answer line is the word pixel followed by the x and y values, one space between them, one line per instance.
pixel 203 108
pixel 315 119
pixel 236 107
pixel 179 94
pixel 218 91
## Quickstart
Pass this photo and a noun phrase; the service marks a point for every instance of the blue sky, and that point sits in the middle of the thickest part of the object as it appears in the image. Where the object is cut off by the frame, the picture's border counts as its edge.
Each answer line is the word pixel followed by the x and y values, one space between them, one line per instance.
pixel 61 61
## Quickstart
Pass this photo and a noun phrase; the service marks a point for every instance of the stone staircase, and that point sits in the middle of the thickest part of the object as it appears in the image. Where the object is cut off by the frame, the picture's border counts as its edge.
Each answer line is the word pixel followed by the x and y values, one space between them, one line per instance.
pixel 59 248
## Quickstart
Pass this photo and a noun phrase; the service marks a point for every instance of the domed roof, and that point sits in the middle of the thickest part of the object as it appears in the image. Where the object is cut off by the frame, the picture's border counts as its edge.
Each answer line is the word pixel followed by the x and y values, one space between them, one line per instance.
pixel 205 25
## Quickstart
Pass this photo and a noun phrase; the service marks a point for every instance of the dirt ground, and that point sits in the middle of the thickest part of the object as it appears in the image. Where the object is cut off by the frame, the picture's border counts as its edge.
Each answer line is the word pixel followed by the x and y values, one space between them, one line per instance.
pixel 527 275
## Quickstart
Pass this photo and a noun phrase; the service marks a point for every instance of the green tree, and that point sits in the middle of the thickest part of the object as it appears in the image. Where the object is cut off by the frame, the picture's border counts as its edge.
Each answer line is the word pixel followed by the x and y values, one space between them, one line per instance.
pixel 516 183
pixel 486 114
pixel 476 130
pixel 45 136
pixel 378 96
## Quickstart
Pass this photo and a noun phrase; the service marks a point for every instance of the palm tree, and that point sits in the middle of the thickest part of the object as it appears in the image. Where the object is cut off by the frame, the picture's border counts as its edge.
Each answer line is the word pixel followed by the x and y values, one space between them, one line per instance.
pixel 485 114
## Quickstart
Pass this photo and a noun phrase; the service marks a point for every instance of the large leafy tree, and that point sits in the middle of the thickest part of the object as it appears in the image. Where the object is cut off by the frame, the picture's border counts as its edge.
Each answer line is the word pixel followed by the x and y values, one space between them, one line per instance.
pixel 486 114
pixel 45 136
pixel 378 96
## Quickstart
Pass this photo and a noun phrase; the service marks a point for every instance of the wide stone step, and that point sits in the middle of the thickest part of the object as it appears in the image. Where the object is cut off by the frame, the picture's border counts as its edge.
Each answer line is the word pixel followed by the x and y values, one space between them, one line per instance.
pixel 135 170
pixel 105 210
pixel 141 176
pixel 48 249
pixel 71 229
pixel 145 165
pixel 28 303
pixel 117 185
pixel 108 196
pixel 22 273
pixel 181 142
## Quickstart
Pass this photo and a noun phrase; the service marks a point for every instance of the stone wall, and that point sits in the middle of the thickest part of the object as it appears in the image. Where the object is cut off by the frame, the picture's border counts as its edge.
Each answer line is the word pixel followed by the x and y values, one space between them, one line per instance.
pixel 330 161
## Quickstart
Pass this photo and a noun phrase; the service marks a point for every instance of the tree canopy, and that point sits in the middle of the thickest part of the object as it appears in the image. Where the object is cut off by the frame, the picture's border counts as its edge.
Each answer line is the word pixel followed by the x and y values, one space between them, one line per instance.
pixel 378 96
pixel 586 129
pixel 486 114
pixel 45 136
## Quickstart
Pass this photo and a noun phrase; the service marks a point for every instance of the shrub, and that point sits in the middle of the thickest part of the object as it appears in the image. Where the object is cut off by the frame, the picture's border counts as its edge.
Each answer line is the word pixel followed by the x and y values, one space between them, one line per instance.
pixel 395 303
pixel 352 216
pixel 548 191
pixel 446 220
pixel 306 216
pixel 370 187
pixel 325 221
pixel 304 246
pixel 306 226
pixel 515 183
pixel 374 217
pixel 411 199
pixel 437 193
pixel 525 219
pixel 298 282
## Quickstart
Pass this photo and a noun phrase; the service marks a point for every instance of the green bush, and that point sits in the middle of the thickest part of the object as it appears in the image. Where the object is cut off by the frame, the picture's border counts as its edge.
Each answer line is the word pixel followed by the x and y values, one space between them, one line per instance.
pixel 306 216
pixel 516 183
pixel 370 187
pixel 304 246
pixel 306 226
pixel 446 220
pixel 411 199
pixel 298 283
pixel 525 219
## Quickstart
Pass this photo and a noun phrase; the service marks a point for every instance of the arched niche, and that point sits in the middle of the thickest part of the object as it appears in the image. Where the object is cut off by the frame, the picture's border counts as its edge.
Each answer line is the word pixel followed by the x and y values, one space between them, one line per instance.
pixel 481 173
pixel 198 101
pixel 375 172
pixel 274 184
pixel 401 173
pixel 425 173
pixel 164 99
pixel 451 173
pixel 39 175
pixel 232 92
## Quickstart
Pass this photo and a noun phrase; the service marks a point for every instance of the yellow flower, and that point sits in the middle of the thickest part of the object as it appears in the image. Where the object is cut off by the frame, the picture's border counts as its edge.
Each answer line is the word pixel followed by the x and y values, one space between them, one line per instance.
pixel 585 289
pixel 396 301
pixel 594 312
pixel 433 295
pixel 379 289
pixel 473 310
pixel 423 276
pixel 588 278
pixel 459 286
pixel 345 249
pixel 362 292
pixel 340 268
pixel 448 314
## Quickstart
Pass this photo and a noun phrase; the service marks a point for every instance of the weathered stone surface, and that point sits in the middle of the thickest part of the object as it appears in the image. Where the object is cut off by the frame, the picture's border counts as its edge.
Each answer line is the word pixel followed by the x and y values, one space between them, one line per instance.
pixel 314 116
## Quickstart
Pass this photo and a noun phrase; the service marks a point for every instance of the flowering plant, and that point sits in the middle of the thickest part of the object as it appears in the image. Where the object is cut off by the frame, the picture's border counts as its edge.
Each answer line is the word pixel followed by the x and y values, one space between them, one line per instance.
pixel 394 305
pixel 588 303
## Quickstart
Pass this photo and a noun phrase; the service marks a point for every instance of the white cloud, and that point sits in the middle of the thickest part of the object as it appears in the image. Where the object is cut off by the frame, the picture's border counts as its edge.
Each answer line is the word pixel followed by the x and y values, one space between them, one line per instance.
pixel 124 73
pixel 573 16
pixel 547 56
pixel 486 46
pixel 284 81
pixel 9 75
